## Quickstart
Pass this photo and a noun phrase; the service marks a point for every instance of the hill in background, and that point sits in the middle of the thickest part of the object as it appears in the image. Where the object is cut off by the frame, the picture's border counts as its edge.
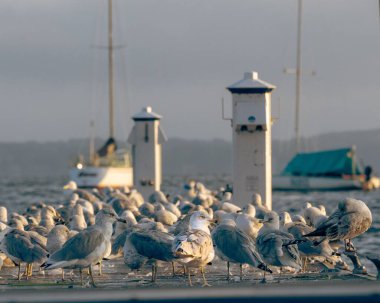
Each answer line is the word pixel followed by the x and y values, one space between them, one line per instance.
pixel 180 157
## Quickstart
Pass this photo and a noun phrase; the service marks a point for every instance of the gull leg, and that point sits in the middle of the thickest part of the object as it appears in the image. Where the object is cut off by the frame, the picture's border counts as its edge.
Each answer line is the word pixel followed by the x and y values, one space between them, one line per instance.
pixel 153 270
pixel 189 276
pixel 264 280
pixel 71 274
pixel 204 278
pixel 26 273
pixel 100 267
pixel 19 271
pixel 92 278
pixel 173 269
pixel 304 261
pixel 241 272
pixel 349 246
pixel 63 275
pixel 228 270
pixel 81 276
pixel 30 273
pixel 279 278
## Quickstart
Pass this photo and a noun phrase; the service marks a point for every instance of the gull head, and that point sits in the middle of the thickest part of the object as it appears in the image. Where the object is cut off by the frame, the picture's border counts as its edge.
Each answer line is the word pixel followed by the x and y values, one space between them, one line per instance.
pixel 307 205
pixel 285 218
pixel 249 209
pixel 323 209
pixel 256 200
pixel 158 207
pixel 351 205
pixel 271 220
pixel 71 185
pixel 108 215
pixel 312 215
pixel 299 218
pixel 200 220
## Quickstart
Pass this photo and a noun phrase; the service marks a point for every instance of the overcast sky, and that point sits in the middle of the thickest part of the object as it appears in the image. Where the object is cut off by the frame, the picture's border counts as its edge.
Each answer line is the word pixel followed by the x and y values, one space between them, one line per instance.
pixel 178 56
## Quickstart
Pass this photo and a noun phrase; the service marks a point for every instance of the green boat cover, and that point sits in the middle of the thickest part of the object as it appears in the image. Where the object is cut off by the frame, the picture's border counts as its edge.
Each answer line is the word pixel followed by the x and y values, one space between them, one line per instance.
pixel 329 163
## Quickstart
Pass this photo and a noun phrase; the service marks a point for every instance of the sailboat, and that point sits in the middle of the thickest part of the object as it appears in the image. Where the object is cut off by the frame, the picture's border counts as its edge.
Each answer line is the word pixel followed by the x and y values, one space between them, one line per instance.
pixel 322 170
pixel 319 170
pixel 110 166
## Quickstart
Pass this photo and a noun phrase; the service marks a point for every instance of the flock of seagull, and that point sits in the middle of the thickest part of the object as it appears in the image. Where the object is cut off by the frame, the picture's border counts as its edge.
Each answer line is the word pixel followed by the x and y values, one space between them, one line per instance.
pixel 190 229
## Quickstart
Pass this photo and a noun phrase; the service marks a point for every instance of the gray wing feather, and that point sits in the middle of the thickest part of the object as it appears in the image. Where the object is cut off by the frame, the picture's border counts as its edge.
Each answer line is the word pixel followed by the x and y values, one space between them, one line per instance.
pixel 153 244
pixel 79 246
pixel 236 245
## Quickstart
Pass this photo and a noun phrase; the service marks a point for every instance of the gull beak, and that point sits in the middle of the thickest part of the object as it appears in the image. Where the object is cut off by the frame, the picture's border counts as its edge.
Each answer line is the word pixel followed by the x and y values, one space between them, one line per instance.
pixel 58 219
pixel 121 220
pixel 212 222
pixel 262 221
pixel 66 187
pixel 239 211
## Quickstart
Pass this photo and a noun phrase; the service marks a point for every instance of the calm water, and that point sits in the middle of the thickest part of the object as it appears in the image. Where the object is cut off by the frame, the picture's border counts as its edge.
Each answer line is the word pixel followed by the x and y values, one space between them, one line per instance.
pixel 17 193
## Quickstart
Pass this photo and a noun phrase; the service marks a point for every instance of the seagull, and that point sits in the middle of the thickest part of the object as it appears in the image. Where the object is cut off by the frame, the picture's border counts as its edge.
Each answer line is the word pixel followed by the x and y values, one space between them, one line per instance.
pixel 314 216
pixel 229 207
pixel 55 240
pixel 306 248
pixel 3 214
pixel 351 219
pixel 249 209
pixel 152 245
pixel 88 247
pixel 278 248
pixel 249 225
pixel 49 217
pixel 71 187
pixel 57 237
pixel 164 216
pixel 77 221
pixel 20 247
pixel 194 248
pixel 233 245
pixel 261 210
pixel 181 226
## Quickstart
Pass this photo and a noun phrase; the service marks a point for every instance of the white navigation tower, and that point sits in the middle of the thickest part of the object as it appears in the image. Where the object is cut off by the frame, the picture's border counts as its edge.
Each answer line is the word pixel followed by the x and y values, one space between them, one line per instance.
pixel 146 139
pixel 251 134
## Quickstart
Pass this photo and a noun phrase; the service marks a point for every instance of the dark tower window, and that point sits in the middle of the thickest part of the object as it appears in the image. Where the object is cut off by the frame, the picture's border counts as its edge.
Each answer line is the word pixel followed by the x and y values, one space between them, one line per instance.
pixel 146 137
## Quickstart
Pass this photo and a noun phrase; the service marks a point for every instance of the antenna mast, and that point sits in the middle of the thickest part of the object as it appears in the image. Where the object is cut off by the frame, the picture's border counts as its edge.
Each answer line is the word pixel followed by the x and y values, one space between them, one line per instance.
pixel 110 72
pixel 298 78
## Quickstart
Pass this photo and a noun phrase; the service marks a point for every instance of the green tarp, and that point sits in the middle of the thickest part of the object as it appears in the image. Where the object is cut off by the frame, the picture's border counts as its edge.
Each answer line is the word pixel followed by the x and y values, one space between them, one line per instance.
pixel 330 163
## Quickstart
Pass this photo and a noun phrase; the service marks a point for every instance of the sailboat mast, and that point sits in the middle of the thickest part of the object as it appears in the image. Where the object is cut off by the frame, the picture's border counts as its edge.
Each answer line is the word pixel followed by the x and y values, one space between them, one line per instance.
pixel 298 78
pixel 110 72
pixel 92 143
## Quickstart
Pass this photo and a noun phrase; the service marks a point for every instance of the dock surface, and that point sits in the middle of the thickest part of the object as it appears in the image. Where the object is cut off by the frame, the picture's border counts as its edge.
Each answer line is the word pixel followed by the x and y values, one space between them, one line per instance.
pixel 119 284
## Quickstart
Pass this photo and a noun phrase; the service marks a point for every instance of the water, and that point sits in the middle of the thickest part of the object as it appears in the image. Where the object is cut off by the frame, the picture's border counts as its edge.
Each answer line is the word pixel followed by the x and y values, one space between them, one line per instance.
pixel 17 193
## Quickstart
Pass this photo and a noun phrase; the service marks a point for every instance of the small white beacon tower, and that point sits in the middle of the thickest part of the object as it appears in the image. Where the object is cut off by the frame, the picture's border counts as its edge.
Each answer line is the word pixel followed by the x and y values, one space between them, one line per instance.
pixel 251 136
pixel 146 139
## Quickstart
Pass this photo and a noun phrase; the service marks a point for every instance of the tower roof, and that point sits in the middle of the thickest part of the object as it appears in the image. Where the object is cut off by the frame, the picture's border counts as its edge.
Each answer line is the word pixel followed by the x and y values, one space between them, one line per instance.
pixel 146 114
pixel 251 84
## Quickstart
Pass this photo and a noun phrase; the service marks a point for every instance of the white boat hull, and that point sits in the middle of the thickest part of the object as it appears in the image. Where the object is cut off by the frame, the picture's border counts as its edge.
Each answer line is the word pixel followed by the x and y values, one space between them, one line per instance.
pixel 313 183
pixel 92 176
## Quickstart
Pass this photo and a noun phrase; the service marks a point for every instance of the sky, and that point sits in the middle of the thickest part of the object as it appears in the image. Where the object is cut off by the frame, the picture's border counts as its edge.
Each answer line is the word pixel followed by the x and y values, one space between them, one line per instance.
pixel 179 56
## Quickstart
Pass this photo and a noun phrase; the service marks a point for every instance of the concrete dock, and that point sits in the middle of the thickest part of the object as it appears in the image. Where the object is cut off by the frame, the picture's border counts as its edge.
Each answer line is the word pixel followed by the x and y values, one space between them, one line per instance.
pixel 118 284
